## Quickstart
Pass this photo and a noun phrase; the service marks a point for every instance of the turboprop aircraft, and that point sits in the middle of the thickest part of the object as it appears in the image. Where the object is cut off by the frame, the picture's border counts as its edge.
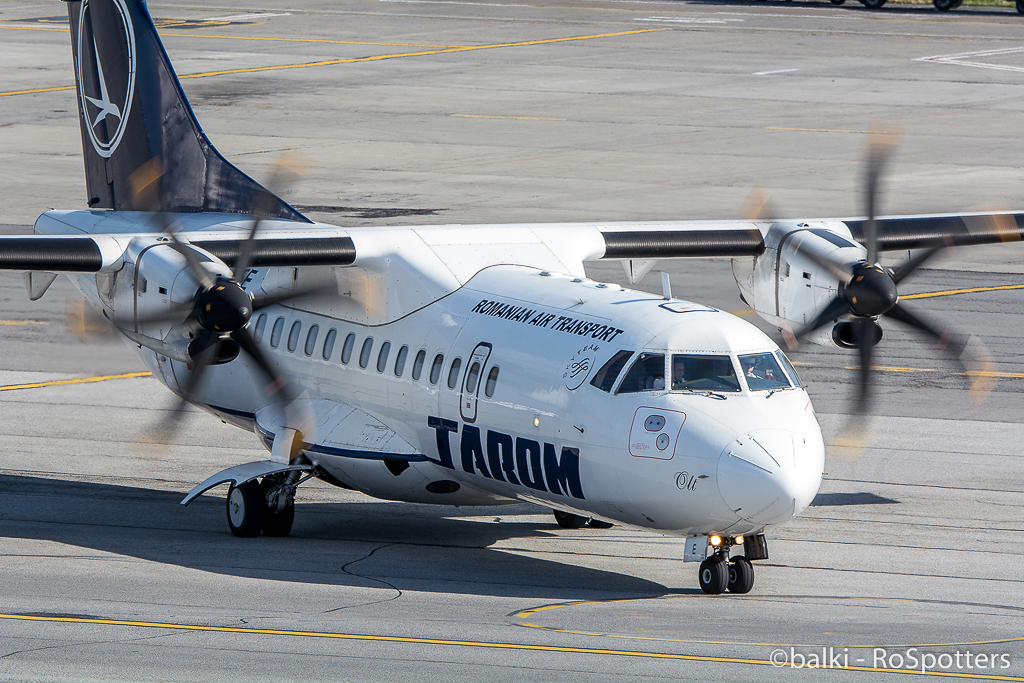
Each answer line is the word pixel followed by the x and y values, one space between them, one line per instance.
pixel 464 365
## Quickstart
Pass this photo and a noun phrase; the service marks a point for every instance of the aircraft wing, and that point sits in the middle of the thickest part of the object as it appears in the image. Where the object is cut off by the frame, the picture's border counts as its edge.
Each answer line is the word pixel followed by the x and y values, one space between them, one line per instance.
pixel 322 245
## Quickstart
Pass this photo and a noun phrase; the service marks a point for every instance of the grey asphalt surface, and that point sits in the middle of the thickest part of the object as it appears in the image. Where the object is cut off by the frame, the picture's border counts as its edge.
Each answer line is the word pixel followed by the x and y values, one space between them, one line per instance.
pixel 676 110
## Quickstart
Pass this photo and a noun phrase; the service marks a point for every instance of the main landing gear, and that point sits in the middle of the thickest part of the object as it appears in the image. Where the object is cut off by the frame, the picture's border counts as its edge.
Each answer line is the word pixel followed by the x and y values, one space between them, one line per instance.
pixel 267 505
pixel 719 573
pixel 567 520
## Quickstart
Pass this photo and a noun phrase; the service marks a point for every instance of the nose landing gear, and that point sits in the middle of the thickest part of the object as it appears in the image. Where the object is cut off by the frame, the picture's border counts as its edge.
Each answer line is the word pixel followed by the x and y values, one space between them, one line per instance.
pixel 719 573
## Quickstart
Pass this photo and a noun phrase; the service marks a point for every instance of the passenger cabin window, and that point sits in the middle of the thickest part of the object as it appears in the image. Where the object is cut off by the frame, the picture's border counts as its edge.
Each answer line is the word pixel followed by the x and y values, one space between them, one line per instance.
pixel 382 357
pixel 275 334
pixel 788 367
pixel 261 324
pixel 435 368
pixel 605 377
pixel 703 373
pixel 403 353
pixel 492 381
pixel 453 373
pixel 311 340
pixel 332 335
pixel 364 354
pixel 346 350
pixel 762 371
pixel 293 335
pixel 471 378
pixel 417 365
pixel 646 374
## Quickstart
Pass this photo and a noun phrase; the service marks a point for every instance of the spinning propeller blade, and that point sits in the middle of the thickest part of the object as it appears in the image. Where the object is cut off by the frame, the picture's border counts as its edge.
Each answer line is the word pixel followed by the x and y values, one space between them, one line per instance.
pixel 221 308
pixel 867 291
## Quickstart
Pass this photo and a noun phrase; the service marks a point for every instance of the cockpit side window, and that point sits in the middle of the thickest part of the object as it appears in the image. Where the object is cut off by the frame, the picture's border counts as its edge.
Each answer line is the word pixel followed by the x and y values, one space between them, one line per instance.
pixel 788 367
pixel 646 374
pixel 692 372
pixel 762 371
pixel 606 376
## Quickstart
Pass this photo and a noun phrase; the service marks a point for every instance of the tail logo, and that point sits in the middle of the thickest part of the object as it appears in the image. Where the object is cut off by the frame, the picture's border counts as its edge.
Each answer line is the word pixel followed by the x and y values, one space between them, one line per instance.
pixel 106 95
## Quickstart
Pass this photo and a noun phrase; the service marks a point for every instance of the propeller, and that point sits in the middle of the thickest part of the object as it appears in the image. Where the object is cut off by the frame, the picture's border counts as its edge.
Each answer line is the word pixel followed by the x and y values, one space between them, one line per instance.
pixel 868 291
pixel 221 308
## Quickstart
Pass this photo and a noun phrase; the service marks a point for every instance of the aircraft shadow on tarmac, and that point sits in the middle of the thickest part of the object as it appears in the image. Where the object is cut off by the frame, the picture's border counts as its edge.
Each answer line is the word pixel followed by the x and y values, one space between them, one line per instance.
pixel 369 545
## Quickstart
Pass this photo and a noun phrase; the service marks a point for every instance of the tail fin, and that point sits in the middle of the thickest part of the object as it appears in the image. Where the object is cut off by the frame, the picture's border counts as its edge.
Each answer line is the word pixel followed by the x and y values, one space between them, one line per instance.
pixel 133 110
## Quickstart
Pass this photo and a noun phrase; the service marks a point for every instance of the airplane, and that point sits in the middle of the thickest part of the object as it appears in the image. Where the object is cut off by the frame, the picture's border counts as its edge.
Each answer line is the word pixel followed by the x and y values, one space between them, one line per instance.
pixel 466 364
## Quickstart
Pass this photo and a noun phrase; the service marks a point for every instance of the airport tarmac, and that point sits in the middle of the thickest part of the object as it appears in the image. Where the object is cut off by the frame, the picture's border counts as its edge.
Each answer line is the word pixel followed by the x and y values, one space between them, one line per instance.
pixel 429 112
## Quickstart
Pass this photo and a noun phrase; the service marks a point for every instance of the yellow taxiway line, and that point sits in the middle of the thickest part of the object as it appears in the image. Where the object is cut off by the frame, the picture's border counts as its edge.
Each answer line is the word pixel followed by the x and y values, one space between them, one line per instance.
pixel 374 58
pixel 951 292
pixel 468 643
pixel 81 380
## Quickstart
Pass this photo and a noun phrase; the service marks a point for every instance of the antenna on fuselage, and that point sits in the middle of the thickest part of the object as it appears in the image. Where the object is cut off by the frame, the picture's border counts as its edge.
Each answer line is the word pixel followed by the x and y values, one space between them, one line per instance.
pixel 666 286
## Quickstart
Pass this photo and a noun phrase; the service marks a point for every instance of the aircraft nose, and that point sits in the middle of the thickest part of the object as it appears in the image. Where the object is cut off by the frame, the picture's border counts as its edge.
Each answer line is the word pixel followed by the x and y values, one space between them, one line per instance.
pixel 768 476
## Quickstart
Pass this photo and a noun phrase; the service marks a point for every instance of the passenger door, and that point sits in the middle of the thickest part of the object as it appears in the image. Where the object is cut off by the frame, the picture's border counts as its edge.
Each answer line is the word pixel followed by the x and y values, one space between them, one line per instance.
pixel 472 381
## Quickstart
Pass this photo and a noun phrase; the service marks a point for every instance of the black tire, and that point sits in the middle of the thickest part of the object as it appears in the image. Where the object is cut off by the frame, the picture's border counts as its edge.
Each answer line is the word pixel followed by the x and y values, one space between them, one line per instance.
pixel 838 2
pixel 713 575
pixel 873 4
pixel 1020 6
pixel 275 523
pixel 245 509
pixel 741 575
pixel 943 5
pixel 567 520
pixel 599 524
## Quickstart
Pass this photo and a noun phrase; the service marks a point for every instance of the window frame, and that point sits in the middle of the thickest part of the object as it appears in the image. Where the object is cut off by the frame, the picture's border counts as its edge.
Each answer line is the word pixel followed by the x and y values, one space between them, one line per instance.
pixel 347 348
pixel 365 352
pixel 329 340
pixel 310 346
pixel 454 373
pixel 276 332
pixel 382 356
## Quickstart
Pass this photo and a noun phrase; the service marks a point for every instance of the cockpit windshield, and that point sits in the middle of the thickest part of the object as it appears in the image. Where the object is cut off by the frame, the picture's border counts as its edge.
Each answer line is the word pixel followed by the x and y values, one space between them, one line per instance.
pixel 703 373
pixel 762 371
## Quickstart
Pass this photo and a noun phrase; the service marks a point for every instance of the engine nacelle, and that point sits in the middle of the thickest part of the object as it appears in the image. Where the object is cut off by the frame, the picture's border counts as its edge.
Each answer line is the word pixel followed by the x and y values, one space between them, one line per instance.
pixel 148 299
pixel 786 287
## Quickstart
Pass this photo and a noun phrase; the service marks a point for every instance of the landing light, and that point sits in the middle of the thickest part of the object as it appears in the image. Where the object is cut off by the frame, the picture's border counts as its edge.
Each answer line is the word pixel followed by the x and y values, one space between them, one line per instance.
pixel 738 540
pixel 716 541
pixel 536 421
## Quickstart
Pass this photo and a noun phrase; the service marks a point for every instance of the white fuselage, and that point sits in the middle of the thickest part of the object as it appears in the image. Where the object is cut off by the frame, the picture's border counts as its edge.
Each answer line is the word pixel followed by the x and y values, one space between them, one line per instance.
pixel 519 417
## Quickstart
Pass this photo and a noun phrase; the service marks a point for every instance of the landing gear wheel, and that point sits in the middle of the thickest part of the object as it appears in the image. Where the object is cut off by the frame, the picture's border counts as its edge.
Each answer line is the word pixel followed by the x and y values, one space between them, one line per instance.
pixel 944 5
pixel 1020 6
pixel 567 520
pixel 275 523
pixel 741 575
pixel 873 4
pixel 714 575
pixel 598 524
pixel 245 509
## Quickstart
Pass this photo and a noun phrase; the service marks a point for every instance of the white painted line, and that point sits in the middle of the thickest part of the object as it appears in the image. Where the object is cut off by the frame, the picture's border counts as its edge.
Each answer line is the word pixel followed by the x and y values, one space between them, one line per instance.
pixel 685 20
pixel 777 71
pixel 260 15
pixel 963 59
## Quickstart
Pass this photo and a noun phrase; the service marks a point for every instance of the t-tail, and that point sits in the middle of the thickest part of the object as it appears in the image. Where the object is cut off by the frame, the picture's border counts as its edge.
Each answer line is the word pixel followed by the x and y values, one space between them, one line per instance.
pixel 133 111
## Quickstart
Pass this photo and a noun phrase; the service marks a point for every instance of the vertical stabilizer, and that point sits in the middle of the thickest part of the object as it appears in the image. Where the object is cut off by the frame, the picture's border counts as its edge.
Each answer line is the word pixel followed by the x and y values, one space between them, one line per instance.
pixel 133 110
